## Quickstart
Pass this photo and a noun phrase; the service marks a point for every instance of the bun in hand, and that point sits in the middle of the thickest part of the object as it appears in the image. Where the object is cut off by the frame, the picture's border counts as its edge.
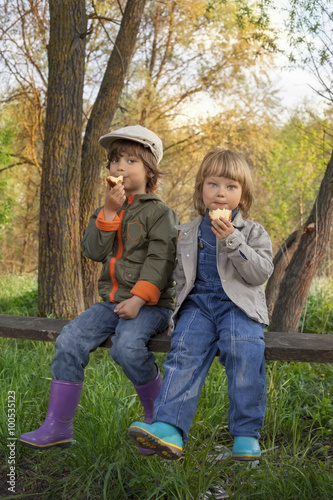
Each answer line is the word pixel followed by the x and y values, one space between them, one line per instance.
pixel 113 181
pixel 220 212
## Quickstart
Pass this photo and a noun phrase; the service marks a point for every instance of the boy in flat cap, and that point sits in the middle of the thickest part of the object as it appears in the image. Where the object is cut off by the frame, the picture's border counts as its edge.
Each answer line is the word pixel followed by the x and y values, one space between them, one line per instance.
pixel 133 235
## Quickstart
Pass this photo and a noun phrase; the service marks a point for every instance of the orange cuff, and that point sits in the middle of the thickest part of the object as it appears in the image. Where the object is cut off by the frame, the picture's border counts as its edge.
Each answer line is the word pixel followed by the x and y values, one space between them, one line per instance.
pixel 105 225
pixel 146 291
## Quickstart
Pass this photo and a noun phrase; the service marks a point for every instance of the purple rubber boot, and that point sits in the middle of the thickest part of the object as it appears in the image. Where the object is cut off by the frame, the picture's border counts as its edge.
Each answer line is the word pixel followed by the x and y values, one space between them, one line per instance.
pixel 148 394
pixel 57 429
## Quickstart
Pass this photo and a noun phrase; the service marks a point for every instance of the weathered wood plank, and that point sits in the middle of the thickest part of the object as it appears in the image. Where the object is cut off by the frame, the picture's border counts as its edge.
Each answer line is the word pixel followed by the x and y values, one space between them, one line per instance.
pixel 307 347
pixel 29 328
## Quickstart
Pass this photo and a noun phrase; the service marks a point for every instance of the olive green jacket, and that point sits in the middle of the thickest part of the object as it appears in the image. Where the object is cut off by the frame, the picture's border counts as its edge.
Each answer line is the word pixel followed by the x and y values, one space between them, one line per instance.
pixel 137 250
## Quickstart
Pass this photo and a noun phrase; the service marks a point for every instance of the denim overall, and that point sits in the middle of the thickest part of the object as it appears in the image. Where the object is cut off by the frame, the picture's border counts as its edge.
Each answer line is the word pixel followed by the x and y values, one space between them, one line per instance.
pixel 210 322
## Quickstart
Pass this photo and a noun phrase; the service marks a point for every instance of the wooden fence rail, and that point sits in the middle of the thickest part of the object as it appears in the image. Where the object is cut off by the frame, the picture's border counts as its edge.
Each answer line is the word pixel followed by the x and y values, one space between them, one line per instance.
pixel 308 347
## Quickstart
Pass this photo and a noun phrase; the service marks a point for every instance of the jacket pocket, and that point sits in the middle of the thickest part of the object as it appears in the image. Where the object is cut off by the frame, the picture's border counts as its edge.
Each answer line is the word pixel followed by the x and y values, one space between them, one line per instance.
pixel 131 275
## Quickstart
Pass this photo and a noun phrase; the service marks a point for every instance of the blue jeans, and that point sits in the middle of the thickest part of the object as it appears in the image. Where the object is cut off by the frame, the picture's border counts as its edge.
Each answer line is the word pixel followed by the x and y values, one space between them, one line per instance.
pixel 208 323
pixel 129 343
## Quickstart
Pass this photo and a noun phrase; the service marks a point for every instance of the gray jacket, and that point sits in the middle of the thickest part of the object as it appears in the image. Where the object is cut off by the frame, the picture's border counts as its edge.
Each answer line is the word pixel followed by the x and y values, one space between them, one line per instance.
pixel 244 263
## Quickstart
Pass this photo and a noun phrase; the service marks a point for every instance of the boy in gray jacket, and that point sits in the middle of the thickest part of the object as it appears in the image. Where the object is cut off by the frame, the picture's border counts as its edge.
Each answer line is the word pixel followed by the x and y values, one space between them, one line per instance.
pixel 134 237
pixel 221 269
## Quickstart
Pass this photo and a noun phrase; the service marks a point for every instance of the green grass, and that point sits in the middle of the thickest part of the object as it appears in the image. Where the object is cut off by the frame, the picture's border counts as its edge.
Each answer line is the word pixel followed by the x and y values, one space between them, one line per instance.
pixel 18 294
pixel 317 315
pixel 296 440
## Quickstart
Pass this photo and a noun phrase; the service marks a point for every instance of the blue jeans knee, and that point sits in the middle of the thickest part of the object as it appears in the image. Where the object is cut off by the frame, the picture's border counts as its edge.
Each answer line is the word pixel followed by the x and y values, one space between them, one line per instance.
pixel 129 344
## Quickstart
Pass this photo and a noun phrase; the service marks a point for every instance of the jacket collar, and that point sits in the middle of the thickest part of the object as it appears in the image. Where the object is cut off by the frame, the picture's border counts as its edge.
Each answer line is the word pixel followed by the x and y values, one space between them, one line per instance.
pixel 140 198
pixel 190 225
pixel 238 220
pixel 145 197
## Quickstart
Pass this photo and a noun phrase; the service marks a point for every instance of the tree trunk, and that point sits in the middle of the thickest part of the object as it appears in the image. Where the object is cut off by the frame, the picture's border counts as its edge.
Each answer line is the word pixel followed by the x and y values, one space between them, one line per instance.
pixel 306 259
pixel 93 155
pixel 281 261
pixel 59 280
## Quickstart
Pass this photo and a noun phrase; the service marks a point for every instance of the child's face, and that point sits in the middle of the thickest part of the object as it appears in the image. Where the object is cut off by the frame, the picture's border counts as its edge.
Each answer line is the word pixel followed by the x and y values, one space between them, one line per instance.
pixel 133 171
pixel 221 192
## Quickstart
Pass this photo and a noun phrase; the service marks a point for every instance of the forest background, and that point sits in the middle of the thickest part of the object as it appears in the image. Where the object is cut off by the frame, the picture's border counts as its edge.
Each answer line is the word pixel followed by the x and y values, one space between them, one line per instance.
pixel 197 73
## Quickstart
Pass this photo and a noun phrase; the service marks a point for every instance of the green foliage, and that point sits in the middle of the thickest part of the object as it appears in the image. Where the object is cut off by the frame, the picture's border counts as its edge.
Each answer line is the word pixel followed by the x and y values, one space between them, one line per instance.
pixel 7 135
pixel 6 205
pixel 19 186
pixel 18 295
pixel 289 179
pixel 7 202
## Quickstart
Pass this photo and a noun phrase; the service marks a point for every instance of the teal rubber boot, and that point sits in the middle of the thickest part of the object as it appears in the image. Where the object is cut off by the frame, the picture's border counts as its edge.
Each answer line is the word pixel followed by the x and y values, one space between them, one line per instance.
pixel 246 448
pixel 164 439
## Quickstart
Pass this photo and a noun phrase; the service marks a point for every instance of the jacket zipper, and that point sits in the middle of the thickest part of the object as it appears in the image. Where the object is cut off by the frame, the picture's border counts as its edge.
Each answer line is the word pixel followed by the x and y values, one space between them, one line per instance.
pixel 113 260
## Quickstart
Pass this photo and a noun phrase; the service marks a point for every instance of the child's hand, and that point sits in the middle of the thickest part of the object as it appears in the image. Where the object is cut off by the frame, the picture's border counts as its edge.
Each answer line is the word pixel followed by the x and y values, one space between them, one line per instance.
pixel 129 308
pixel 222 228
pixel 114 199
